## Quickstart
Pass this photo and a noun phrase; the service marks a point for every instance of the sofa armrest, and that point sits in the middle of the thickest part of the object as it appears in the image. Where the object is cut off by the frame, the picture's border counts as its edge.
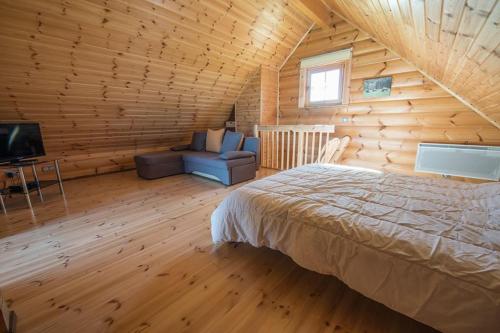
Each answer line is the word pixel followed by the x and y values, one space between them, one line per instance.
pixel 253 144
pixel 180 147
pixel 232 155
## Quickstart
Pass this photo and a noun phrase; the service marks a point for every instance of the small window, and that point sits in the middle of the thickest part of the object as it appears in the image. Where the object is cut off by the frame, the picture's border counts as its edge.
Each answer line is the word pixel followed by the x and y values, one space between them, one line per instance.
pixel 324 79
pixel 325 85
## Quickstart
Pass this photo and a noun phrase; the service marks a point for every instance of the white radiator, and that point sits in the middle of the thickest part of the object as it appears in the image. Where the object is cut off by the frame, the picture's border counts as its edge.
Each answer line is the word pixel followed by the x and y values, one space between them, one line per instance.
pixel 482 162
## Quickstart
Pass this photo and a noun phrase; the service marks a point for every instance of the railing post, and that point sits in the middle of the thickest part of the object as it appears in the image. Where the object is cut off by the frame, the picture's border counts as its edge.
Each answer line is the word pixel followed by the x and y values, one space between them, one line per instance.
pixel 282 150
pixel 300 149
pixel 311 160
pixel 319 147
pixel 306 146
pixel 288 150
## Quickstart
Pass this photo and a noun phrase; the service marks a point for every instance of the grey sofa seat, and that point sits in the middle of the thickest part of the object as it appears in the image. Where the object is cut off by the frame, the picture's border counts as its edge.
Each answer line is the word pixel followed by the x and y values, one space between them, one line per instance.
pixel 228 170
pixel 213 159
pixel 160 156
pixel 159 164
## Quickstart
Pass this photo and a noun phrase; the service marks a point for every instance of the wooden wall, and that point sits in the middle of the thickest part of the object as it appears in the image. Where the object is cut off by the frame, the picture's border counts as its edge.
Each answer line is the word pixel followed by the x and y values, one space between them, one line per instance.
pixel 111 79
pixel 257 103
pixel 269 96
pixel 385 131
pixel 248 105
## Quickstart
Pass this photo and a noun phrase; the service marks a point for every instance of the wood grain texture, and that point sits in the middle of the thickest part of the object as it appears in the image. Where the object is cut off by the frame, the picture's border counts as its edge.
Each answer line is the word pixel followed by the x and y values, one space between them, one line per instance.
pixel 269 96
pixel 248 105
pixel 124 254
pixel 385 131
pixel 108 79
pixel 456 42
pixel 258 102
pixel 315 10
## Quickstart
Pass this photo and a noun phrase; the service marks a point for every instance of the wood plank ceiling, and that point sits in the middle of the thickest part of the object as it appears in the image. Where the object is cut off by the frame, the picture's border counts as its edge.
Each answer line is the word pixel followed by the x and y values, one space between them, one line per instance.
pixel 456 42
pixel 124 75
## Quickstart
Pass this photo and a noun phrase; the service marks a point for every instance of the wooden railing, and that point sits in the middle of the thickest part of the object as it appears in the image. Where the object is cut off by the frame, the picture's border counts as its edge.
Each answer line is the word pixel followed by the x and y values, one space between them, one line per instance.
pixel 287 146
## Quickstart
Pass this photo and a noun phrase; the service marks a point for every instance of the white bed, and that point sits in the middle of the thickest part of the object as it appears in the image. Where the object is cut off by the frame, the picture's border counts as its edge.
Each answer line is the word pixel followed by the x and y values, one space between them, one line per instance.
pixel 428 248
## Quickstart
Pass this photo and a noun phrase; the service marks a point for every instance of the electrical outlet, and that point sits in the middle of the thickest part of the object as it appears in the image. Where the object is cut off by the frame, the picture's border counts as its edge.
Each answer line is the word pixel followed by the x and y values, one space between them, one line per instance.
pixel 47 168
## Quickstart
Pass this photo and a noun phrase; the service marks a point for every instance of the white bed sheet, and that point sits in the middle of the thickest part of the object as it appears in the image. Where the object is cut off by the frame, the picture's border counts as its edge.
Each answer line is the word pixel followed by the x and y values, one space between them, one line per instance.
pixel 428 248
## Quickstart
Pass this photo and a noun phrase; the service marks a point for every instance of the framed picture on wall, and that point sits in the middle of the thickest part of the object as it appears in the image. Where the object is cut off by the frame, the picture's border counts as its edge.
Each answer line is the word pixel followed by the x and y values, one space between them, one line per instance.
pixel 378 87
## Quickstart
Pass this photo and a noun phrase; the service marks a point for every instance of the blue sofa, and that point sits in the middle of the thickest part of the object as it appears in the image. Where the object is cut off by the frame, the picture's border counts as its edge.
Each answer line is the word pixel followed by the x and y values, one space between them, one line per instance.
pixel 229 167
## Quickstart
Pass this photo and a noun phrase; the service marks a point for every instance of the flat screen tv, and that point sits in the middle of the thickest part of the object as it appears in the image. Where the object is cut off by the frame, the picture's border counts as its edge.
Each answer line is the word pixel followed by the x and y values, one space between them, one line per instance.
pixel 19 141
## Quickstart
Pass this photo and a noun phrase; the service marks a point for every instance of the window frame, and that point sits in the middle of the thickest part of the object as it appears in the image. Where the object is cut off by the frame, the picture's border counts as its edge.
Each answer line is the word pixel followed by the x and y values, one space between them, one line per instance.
pixel 322 64
pixel 321 69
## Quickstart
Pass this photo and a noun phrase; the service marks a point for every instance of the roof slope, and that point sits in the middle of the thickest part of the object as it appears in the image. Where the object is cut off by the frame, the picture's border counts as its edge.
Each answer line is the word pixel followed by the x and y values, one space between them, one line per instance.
pixel 456 42
pixel 104 76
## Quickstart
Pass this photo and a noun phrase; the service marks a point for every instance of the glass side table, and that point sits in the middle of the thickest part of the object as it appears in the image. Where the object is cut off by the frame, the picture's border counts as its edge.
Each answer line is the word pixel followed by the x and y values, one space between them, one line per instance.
pixel 25 187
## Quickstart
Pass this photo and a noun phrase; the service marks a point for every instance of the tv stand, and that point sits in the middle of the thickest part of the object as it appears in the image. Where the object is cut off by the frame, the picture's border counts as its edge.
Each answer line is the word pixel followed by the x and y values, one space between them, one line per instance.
pixel 21 160
pixel 25 187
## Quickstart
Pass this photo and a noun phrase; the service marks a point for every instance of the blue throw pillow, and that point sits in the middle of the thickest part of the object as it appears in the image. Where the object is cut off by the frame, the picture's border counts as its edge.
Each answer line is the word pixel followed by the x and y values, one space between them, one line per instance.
pixel 232 155
pixel 198 141
pixel 231 141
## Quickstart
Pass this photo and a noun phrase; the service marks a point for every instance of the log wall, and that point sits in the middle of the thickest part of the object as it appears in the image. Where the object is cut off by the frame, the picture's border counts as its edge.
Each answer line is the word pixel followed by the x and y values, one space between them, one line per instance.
pixel 257 103
pixel 248 105
pixel 110 79
pixel 269 96
pixel 385 131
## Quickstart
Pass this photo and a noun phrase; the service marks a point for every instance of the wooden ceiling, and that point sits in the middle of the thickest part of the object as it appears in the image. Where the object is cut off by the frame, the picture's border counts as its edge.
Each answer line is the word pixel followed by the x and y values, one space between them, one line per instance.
pixel 126 74
pixel 109 78
pixel 456 42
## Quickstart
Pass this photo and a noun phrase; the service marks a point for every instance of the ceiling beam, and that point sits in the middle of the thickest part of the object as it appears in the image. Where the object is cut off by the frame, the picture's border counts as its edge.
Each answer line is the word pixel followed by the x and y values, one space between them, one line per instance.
pixel 316 10
pixel 296 46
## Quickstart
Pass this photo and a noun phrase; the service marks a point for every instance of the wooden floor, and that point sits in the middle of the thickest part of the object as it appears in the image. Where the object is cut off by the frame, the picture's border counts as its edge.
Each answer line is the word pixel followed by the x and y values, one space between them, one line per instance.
pixel 122 254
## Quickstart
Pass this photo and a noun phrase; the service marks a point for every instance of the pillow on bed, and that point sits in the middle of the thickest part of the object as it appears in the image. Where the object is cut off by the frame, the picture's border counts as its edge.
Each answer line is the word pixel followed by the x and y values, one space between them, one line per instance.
pixel 231 142
pixel 214 140
pixel 198 141
pixel 232 155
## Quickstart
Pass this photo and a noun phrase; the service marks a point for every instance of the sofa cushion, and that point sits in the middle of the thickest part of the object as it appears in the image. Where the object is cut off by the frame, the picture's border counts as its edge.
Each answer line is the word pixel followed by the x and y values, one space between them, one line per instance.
pixel 180 147
pixel 253 144
pixel 231 155
pixel 198 141
pixel 214 140
pixel 213 160
pixel 159 157
pixel 231 141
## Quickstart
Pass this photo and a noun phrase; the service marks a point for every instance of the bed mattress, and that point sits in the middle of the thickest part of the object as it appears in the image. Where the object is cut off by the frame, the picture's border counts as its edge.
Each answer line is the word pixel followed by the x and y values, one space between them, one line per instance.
pixel 428 248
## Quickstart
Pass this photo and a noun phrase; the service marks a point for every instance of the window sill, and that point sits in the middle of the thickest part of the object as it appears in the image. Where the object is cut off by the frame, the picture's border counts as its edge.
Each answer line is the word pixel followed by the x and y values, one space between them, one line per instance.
pixel 324 106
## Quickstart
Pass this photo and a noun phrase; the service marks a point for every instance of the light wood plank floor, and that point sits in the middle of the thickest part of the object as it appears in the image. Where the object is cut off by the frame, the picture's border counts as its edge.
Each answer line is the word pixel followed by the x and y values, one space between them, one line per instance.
pixel 123 254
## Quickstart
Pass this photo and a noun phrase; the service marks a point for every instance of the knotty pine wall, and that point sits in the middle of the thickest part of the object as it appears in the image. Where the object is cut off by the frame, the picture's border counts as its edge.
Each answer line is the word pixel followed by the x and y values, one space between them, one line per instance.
pixel 247 106
pixel 110 79
pixel 385 131
pixel 269 96
pixel 257 103
pixel 456 42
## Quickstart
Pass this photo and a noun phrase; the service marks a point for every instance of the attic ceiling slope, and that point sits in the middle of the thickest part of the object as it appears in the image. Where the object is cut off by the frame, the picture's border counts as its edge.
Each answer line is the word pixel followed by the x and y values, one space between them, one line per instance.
pixel 456 42
pixel 106 79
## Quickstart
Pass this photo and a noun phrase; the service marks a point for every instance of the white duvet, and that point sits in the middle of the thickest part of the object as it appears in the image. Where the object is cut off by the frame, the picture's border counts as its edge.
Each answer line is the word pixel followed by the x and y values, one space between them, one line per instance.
pixel 428 248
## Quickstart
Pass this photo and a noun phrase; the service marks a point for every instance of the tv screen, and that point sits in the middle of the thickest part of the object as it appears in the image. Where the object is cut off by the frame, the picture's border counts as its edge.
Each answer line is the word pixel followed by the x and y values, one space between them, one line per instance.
pixel 18 141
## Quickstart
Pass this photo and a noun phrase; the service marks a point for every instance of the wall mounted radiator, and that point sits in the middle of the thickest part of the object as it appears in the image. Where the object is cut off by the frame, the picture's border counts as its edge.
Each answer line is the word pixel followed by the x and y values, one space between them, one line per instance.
pixel 482 162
